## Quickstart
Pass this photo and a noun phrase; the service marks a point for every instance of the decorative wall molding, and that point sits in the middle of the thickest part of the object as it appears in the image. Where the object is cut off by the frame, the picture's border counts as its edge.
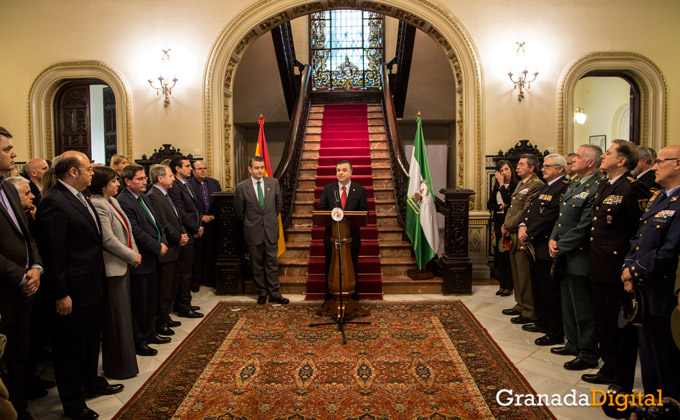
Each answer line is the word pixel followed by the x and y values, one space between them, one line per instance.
pixel 434 19
pixel 41 104
pixel 647 75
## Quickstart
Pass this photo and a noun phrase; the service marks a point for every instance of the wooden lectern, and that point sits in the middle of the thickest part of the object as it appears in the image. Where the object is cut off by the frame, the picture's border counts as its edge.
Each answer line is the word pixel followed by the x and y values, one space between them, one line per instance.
pixel 342 287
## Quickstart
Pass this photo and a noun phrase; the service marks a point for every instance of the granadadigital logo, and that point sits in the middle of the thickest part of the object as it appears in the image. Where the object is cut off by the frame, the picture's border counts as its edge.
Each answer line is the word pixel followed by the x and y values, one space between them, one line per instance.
pixel 506 397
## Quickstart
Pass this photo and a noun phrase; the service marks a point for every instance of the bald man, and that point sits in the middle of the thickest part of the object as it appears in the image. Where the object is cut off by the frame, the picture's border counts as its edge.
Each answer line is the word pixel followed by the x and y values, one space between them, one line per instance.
pixel 34 171
pixel 651 266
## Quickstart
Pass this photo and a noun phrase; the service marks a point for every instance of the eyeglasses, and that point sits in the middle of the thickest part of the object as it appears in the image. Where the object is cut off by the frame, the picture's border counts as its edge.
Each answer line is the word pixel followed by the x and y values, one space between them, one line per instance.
pixel 141 178
pixel 551 166
pixel 88 169
pixel 665 160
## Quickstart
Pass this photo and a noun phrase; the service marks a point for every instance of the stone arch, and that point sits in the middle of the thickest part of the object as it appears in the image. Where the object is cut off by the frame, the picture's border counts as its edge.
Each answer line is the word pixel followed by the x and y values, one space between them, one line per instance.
pixel 264 15
pixel 644 72
pixel 41 104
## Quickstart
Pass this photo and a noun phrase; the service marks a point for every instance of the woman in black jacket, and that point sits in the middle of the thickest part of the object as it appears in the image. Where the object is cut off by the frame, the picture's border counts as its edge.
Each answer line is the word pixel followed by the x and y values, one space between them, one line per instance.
pixel 499 200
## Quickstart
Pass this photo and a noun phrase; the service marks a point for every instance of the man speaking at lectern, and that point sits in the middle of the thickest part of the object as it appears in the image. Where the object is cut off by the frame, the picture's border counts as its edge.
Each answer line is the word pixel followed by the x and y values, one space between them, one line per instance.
pixel 349 196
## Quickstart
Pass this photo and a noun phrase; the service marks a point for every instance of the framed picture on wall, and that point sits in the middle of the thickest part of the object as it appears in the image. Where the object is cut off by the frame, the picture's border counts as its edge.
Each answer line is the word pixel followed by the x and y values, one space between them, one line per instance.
pixel 600 140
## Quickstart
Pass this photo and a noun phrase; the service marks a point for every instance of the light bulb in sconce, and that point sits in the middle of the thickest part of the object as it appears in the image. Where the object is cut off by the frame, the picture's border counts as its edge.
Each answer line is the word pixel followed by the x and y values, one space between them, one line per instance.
pixel 580 116
pixel 520 66
pixel 165 86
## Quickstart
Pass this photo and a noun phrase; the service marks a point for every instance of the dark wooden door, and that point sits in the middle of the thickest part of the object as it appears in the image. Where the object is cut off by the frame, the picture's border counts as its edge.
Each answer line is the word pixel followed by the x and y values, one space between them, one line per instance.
pixel 110 139
pixel 72 112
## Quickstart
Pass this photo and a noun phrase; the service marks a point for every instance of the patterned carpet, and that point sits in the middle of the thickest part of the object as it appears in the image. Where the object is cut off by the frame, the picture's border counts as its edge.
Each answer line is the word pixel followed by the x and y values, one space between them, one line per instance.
pixel 416 360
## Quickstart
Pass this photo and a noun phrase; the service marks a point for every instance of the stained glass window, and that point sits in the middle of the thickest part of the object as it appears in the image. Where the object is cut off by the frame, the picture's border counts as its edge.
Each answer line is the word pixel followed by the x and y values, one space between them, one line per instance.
pixel 346 49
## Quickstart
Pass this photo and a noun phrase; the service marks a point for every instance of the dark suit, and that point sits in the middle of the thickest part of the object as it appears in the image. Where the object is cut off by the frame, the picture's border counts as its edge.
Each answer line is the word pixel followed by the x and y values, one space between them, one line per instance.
pixel 539 219
pixel 649 180
pixel 356 201
pixel 501 260
pixel 652 262
pixel 149 234
pixel 71 247
pixel 261 232
pixel 187 208
pixel 205 248
pixel 18 253
pixel 572 233
pixel 167 272
pixel 616 215
pixel 36 192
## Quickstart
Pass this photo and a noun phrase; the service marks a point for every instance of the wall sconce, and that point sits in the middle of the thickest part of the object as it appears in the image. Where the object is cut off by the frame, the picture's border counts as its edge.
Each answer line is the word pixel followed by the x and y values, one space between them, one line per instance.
pixel 580 116
pixel 163 78
pixel 522 71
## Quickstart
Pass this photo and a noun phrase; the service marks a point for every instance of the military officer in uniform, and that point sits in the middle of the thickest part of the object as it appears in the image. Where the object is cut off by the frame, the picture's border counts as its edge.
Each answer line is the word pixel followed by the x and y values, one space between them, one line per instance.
pixel 619 203
pixel 535 228
pixel 643 171
pixel 525 191
pixel 650 266
pixel 569 242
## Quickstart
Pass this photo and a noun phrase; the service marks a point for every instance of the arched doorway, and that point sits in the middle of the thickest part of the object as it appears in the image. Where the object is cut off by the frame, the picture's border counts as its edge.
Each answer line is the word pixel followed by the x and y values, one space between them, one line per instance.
pixel 435 21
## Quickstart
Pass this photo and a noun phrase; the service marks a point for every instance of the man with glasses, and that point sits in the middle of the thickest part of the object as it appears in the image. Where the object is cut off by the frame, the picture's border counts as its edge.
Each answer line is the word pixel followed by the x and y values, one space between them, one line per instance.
pixel 650 266
pixel 71 247
pixel 152 243
pixel 619 203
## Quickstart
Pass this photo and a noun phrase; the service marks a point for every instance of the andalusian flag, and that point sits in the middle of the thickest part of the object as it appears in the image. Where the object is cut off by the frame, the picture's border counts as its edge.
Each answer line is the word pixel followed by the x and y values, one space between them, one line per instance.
pixel 262 151
pixel 421 211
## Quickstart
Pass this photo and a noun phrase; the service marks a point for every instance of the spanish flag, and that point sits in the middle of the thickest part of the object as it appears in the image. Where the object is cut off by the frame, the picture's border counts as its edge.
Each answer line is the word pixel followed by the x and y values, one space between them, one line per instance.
pixel 263 152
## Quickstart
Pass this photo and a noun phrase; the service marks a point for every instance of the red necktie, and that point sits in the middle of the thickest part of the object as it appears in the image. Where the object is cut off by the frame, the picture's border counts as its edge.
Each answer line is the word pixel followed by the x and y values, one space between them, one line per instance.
pixel 343 197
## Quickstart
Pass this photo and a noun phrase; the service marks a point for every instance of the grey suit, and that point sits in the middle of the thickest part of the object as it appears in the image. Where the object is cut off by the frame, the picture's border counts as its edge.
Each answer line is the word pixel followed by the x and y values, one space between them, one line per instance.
pixel 118 345
pixel 261 232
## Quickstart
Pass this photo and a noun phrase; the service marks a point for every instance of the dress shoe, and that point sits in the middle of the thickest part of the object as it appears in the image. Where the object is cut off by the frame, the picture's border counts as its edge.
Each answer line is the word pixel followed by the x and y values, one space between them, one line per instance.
pixel 42 383
pixel 280 300
pixel 546 340
pixel 195 308
pixel 533 328
pixel 521 320
pixel 563 351
pixel 35 392
pixel 511 312
pixel 261 300
pixel 146 351
pixel 499 291
pixel 506 292
pixel 24 415
pixel 195 289
pixel 190 314
pixel 598 378
pixel 157 339
pixel 173 323
pixel 164 330
pixel 109 389
pixel 578 364
pixel 86 414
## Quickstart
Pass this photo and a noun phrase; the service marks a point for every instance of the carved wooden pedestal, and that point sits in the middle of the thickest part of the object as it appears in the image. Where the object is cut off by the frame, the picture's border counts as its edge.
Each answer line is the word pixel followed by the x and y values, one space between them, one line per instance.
pixel 457 266
pixel 230 270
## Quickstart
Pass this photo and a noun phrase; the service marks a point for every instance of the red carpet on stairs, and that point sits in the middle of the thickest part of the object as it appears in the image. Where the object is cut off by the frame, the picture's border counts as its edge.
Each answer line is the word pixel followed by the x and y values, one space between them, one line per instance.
pixel 344 135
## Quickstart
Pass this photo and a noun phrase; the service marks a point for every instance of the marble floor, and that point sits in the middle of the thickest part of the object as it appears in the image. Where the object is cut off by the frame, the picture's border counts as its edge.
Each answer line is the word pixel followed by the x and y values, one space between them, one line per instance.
pixel 542 369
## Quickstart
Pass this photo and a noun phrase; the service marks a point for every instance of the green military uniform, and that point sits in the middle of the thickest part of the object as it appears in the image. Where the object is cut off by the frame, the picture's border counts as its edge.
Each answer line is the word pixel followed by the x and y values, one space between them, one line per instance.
pixel 525 191
pixel 572 233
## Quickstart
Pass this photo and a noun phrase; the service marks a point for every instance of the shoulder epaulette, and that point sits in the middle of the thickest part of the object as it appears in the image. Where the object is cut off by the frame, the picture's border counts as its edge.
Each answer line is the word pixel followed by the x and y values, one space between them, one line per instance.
pixel 631 179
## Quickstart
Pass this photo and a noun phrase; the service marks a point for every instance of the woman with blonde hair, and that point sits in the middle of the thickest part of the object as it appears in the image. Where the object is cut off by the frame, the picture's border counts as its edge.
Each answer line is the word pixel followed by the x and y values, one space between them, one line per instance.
pixel 118 162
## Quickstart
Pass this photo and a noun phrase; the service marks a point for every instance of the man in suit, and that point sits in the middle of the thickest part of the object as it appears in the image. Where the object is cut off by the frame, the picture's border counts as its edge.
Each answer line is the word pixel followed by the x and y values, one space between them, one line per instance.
pixel 187 207
pixel 34 171
pixel 257 204
pixel 205 248
pixel 535 228
pixel 71 247
pixel 643 171
pixel 569 243
pixel 162 180
pixel 525 191
pixel 650 266
pixel 152 244
pixel 619 203
pixel 351 197
pixel 20 271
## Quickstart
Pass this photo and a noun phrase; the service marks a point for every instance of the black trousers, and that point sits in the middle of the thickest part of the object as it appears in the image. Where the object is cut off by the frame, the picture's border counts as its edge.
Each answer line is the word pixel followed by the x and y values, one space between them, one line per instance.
pixel 659 357
pixel 168 279
pixel 618 346
pixel 328 250
pixel 144 304
pixel 75 348
pixel 185 264
pixel 205 256
pixel 15 324
pixel 547 299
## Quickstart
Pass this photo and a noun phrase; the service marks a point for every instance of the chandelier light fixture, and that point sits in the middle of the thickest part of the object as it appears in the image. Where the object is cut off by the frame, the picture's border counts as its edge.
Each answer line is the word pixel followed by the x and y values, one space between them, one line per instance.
pixel 521 68
pixel 164 82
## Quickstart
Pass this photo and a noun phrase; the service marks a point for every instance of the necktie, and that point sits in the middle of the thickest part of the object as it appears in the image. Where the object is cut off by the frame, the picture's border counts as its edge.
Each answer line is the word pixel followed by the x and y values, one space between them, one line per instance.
pixel 343 197
pixel 81 197
pixel 189 191
pixel 146 209
pixel 172 205
pixel 260 195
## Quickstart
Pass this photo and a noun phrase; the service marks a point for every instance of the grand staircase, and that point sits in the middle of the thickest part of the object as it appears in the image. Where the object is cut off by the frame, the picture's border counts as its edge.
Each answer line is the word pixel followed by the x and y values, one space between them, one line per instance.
pixel 357 133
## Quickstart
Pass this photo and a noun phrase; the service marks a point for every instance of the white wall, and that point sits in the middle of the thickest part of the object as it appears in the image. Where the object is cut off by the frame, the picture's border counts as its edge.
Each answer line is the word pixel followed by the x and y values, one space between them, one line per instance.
pixel 602 99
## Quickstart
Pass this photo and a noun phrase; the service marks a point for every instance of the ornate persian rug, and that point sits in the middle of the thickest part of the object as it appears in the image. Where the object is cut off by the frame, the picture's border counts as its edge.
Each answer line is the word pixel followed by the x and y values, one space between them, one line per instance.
pixel 415 361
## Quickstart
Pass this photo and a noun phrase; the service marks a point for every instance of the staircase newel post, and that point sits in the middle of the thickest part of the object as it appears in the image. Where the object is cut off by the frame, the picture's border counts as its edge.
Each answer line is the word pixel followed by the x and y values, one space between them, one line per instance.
pixel 230 269
pixel 457 266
